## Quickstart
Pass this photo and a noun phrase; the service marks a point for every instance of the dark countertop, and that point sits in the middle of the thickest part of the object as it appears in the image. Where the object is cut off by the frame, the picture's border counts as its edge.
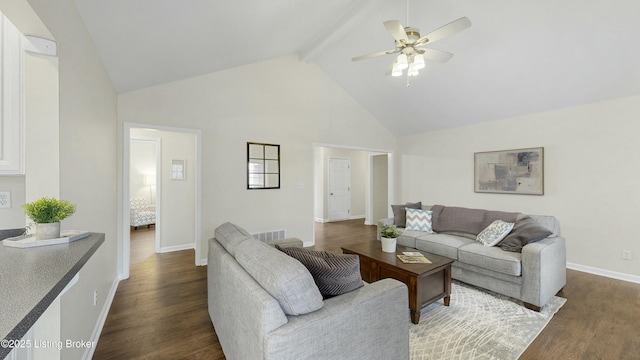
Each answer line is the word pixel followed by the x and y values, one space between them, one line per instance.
pixel 31 278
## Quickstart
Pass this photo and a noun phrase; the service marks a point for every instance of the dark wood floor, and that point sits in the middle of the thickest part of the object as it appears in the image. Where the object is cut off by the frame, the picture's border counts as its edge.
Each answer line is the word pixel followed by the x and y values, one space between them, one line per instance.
pixel 161 311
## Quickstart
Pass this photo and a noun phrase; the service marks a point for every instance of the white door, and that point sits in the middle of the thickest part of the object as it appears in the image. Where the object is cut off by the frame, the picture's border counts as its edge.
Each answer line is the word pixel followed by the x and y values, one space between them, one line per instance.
pixel 339 188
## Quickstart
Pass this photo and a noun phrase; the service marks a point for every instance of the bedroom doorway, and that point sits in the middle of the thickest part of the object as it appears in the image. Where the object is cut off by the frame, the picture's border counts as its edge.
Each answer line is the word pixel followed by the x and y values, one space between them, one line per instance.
pixel 176 199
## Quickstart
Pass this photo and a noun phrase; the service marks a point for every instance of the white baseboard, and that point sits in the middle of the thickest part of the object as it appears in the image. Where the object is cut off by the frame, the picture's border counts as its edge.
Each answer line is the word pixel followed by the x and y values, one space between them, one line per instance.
pixel 167 249
pixel 202 262
pixel 97 330
pixel 605 273
pixel 350 218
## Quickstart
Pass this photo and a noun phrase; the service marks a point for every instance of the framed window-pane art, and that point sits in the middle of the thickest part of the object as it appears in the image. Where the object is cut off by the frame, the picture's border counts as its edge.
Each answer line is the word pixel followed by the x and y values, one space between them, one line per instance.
pixel 263 166
pixel 178 171
pixel 519 171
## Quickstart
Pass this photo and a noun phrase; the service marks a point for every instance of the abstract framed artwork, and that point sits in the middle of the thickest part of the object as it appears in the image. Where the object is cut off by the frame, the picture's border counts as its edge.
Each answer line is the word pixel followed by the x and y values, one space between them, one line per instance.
pixel 519 171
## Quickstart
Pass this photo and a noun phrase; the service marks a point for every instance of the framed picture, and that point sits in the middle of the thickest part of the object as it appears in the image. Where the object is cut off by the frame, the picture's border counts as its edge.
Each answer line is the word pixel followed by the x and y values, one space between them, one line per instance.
pixel 519 171
pixel 178 170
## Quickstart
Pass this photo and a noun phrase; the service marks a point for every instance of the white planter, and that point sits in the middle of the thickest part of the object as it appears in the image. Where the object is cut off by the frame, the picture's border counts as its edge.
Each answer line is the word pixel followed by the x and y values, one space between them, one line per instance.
pixel 48 231
pixel 389 244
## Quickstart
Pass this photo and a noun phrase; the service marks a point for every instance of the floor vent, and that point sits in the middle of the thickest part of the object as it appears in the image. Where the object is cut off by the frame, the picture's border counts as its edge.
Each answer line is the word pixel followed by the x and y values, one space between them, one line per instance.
pixel 269 235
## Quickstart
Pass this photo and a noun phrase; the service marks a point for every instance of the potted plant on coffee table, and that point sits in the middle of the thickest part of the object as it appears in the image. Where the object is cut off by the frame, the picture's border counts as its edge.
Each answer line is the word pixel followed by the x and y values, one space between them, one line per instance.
pixel 389 237
pixel 47 214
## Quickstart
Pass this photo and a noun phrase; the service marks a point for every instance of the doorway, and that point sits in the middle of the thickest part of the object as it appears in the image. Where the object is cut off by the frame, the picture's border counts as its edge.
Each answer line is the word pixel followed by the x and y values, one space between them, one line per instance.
pixel 339 196
pixel 369 178
pixel 177 201
pixel 144 187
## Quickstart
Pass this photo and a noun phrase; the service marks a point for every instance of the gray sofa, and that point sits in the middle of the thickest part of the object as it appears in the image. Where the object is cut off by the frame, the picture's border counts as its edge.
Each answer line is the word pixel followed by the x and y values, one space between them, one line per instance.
pixel 533 275
pixel 265 305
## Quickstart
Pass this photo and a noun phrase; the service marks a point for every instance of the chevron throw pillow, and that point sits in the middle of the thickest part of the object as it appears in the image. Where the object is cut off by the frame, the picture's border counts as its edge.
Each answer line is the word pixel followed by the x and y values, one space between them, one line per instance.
pixel 419 220
pixel 334 274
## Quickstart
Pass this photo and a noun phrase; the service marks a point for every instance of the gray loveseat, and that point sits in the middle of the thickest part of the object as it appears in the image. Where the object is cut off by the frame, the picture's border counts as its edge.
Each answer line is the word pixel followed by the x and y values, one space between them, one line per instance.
pixel 265 305
pixel 533 275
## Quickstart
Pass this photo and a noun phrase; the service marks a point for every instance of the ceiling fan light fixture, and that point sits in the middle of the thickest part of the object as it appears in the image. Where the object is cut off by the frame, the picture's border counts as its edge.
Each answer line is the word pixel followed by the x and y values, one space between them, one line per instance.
pixel 418 61
pixel 401 62
pixel 412 71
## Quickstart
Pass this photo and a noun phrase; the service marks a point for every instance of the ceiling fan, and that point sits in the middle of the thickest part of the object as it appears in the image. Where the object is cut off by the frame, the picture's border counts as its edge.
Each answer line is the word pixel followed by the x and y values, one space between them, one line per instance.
pixel 409 44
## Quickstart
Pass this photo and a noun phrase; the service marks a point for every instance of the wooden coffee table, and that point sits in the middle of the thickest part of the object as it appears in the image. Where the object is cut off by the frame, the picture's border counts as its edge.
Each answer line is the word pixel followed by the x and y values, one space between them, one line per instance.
pixel 427 283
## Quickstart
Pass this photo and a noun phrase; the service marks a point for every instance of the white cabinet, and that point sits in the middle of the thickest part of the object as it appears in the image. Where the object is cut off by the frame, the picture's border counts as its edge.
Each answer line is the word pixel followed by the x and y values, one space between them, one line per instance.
pixel 11 94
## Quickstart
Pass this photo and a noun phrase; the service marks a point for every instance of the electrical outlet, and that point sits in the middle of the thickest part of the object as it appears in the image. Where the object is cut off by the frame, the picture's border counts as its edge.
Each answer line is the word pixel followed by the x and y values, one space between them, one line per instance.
pixel 626 255
pixel 95 297
pixel 5 199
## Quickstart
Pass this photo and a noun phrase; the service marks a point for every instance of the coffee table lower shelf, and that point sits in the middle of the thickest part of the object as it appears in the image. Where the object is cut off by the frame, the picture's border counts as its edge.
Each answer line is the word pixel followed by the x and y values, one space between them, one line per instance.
pixel 427 283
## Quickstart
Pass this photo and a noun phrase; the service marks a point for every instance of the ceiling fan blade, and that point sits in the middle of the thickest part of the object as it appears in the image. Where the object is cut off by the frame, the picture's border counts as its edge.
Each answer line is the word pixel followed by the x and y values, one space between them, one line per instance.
pixel 444 31
pixel 436 55
pixel 367 56
pixel 396 30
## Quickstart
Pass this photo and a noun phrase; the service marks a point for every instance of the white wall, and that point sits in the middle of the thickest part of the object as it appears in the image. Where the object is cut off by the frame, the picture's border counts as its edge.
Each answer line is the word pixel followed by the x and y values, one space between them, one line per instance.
pixel 88 166
pixel 143 164
pixel 281 101
pixel 359 177
pixel 591 175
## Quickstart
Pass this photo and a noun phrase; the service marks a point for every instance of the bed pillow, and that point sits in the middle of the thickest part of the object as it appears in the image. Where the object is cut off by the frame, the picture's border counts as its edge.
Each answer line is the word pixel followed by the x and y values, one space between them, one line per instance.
pixel 333 274
pixel 400 213
pixel 419 220
pixel 495 232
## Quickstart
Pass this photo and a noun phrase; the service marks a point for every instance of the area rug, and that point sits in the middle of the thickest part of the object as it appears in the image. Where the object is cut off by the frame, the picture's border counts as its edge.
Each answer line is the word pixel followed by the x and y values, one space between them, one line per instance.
pixel 478 325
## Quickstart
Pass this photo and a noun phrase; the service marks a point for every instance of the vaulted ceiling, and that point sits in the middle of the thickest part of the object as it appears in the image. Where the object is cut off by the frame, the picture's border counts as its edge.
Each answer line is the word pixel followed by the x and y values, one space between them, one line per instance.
pixel 518 57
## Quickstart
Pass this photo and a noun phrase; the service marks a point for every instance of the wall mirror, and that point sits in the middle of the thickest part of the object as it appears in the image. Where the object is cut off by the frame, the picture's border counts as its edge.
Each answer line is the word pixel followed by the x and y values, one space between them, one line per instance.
pixel 263 166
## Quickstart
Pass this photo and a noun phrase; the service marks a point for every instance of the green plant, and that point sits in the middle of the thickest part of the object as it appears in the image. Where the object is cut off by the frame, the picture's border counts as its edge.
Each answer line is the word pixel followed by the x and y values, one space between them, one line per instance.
pixel 389 231
pixel 49 210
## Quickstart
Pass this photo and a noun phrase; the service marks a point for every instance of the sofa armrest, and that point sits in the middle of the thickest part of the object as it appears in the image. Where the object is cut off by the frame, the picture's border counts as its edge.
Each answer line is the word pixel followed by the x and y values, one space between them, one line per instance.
pixel 544 270
pixel 381 223
pixel 371 322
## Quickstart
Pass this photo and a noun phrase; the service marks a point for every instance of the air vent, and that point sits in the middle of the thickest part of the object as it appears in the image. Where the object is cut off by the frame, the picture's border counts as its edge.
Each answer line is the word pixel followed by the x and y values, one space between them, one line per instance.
pixel 269 235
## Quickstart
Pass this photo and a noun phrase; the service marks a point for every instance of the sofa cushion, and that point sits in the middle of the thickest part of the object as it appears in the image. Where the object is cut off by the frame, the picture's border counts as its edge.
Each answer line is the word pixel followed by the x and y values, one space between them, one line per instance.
pixel 494 233
pixel 400 214
pixel 334 274
pixel 492 258
pixel 442 244
pixel 526 230
pixel 230 235
pixel 471 221
pixel 408 237
pixel 419 220
pixel 282 276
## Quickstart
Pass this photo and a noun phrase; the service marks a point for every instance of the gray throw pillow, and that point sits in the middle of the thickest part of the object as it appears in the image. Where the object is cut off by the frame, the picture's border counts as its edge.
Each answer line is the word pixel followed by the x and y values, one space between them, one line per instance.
pixel 400 214
pixel 333 274
pixel 525 231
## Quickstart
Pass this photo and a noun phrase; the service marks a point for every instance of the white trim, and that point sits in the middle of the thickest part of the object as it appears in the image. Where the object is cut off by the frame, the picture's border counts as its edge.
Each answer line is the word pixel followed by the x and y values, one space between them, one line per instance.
pixel 167 249
pixel 603 272
pixel 97 330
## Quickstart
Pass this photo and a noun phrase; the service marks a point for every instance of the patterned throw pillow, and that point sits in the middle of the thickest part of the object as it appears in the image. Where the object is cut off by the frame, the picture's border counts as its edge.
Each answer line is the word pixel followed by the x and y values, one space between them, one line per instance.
pixel 495 232
pixel 334 274
pixel 419 220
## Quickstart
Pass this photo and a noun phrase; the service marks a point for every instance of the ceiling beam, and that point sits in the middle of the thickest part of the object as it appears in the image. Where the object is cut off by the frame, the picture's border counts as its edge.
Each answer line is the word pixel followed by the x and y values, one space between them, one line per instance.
pixel 334 31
